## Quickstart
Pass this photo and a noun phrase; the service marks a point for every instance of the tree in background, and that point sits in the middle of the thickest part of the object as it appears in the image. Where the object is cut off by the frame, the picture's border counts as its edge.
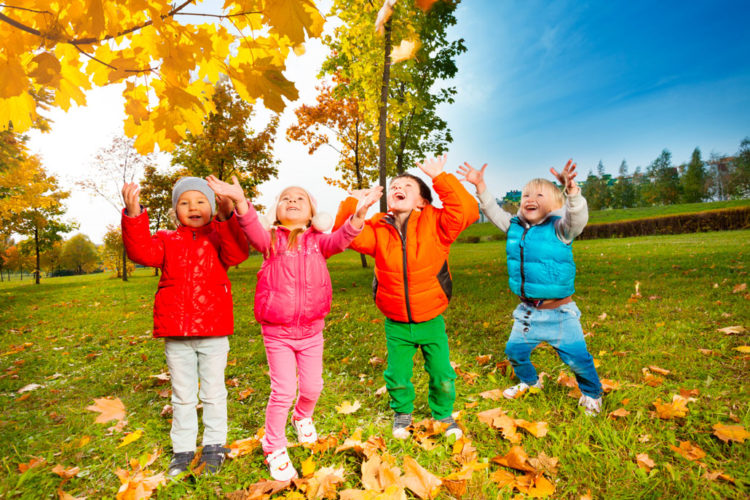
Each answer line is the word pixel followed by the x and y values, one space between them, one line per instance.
pixel 5 243
pixel 111 252
pixel 156 196
pixel 80 255
pixel 114 165
pixel 18 262
pixel 596 190
pixel 227 145
pixel 168 55
pixel 664 188
pixel 739 179
pixel 398 90
pixel 694 182
pixel 52 259
pixel 623 190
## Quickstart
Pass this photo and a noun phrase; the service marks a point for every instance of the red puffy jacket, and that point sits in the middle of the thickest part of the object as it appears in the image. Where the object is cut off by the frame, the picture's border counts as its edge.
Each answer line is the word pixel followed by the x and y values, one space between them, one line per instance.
pixel 194 298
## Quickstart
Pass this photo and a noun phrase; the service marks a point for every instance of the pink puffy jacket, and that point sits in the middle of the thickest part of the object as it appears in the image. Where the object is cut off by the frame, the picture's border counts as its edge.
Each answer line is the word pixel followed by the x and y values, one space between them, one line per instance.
pixel 293 294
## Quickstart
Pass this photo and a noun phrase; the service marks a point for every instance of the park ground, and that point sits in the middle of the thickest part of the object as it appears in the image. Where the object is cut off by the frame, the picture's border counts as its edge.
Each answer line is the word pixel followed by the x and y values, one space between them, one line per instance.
pixel 664 316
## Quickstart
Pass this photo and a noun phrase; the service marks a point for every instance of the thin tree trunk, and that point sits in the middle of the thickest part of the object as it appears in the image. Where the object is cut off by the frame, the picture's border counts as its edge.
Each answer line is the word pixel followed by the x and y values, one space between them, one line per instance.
pixel 383 119
pixel 36 244
pixel 124 264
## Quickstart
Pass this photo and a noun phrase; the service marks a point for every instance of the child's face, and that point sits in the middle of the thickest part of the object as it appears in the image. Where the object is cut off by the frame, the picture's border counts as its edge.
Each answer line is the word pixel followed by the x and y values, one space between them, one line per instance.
pixel 294 208
pixel 403 195
pixel 537 202
pixel 193 209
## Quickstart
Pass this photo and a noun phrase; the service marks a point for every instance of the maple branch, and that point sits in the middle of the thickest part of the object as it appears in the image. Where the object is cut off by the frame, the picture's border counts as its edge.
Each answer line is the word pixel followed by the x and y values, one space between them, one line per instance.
pixel 147 70
pixel 26 9
pixel 219 16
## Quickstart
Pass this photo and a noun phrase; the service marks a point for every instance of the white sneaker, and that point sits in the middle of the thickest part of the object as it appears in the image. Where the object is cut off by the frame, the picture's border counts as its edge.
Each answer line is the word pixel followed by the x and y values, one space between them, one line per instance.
pixel 305 428
pixel 453 429
pixel 280 466
pixel 520 389
pixel 401 423
pixel 590 405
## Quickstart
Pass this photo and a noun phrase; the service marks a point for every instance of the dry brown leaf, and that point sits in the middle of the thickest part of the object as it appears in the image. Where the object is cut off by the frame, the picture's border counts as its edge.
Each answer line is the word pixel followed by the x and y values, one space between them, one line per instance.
pixel 651 379
pixel 419 480
pixel 516 458
pixel 245 393
pixel 62 495
pixel 713 476
pixel 545 464
pixel 483 359
pixel 161 378
pixel 65 473
pixel 493 394
pixel 138 484
pixel 325 482
pixel 536 429
pixel 376 361
pixel 166 411
pixel 381 391
pixel 689 393
pixel 541 486
pixel 566 380
pixel 503 478
pixel 108 408
pixel 739 288
pixel 34 462
pixel 726 433
pixel 463 451
pixel 394 492
pixel 660 371
pixel 644 462
pixel 688 450
pixel 260 490
pixel 609 385
pixel 471 405
pixel 744 349
pixel 618 413
pixel 245 446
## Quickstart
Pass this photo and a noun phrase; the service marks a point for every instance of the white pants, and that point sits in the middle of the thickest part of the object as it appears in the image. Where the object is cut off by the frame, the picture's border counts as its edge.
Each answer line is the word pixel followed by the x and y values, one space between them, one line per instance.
pixel 192 361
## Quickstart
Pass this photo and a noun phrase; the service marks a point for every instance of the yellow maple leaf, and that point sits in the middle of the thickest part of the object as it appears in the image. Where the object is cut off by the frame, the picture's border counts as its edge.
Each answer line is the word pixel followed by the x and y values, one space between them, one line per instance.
pixel 407 49
pixel 743 349
pixel 677 408
pixel 133 436
pixel 688 450
pixel 347 408
pixel 308 466
pixel 65 473
pixel 293 18
pixel 728 433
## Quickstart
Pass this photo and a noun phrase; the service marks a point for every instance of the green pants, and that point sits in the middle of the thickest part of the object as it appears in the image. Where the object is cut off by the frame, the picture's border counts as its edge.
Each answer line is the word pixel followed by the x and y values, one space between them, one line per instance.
pixel 403 339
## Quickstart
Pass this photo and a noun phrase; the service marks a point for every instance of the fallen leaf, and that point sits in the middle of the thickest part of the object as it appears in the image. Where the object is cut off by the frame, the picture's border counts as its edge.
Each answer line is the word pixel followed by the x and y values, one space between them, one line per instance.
pixel 618 413
pixel 325 482
pixel 609 385
pixel 744 349
pixel 503 478
pixel 34 462
pixel 677 408
pixel 688 450
pixel 660 371
pixel 65 473
pixel 536 429
pixel 245 446
pixel 260 490
pixel 545 464
pixel 62 495
pixel 739 288
pixel 245 393
pixel 161 378
pixel 375 361
pixel 29 387
pixel 166 411
pixel 470 405
pixel 483 359
pixel 726 433
pixel 732 330
pixel 494 394
pixel 644 462
pixel 516 458
pixel 308 466
pixel 133 436
pixel 347 408
pixel 108 408
pixel 713 476
pixel 419 480
pixel 381 391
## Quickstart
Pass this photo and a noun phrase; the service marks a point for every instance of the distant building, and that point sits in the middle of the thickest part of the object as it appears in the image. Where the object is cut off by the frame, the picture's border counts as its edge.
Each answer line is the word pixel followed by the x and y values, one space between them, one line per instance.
pixel 510 197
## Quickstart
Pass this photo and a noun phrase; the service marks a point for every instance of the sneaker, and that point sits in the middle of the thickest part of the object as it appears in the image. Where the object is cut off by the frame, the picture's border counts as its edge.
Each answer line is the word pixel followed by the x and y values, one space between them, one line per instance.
pixel 280 466
pixel 590 405
pixel 453 428
pixel 180 463
pixel 305 428
pixel 213 456
pixel 401 423
pixel 519 390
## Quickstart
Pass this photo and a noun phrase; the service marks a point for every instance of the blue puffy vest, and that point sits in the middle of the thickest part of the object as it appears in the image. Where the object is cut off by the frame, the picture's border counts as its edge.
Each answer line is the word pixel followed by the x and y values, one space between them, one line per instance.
pixel 540 266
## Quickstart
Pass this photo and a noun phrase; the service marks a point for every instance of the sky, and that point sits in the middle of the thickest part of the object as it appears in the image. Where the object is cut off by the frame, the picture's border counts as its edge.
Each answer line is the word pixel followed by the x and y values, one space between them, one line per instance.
pixel 541 82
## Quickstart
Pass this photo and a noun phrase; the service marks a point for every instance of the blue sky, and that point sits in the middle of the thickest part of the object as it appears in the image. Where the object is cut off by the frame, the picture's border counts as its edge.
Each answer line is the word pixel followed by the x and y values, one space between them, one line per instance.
pixel 546 81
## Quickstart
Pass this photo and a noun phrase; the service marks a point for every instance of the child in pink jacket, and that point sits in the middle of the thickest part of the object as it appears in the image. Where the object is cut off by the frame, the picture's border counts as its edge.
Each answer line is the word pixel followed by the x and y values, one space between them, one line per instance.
pixel 292 299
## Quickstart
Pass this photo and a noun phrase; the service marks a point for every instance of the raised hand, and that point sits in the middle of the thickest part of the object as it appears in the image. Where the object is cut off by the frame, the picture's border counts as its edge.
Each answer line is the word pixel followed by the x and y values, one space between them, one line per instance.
pixel 566 177
pixel 434 166
pixel 473 176
pixel 367 199
pixel 131 196
pixel 224 207
pixel 231 191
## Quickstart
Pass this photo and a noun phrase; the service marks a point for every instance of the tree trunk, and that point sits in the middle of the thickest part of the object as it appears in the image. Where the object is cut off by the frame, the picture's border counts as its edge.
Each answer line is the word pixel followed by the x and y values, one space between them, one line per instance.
pixel 36 244
pixel 383 119
pixel 124 264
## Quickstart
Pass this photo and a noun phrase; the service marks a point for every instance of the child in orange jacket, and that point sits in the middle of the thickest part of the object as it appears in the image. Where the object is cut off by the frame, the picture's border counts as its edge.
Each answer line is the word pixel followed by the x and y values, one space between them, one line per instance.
pixel 413 285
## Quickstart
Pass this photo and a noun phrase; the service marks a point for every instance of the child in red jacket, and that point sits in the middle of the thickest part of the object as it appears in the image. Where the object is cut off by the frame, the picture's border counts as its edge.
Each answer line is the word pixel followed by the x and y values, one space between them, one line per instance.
pixel 192 308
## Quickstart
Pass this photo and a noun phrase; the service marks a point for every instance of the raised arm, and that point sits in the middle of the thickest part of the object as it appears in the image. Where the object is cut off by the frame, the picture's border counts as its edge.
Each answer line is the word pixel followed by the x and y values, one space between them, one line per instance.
pixel 459 207
pixel 140 246
pixel 489 206
pixel 345 232
pixel 247 217
pixel 365 241
pixel 233 244
pixel 575 211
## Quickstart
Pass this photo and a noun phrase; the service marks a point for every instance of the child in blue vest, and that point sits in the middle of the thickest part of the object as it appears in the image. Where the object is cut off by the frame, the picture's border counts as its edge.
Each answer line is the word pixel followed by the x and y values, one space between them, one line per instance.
pixel 541 272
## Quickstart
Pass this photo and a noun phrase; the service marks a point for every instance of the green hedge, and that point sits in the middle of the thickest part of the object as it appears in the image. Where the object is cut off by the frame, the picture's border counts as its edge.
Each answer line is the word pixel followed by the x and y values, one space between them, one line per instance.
pixel 717 220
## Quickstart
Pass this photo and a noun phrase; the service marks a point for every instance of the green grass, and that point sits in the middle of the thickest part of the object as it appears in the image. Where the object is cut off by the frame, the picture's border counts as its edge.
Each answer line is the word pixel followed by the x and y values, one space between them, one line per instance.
pixel 94 331
pixel 486 230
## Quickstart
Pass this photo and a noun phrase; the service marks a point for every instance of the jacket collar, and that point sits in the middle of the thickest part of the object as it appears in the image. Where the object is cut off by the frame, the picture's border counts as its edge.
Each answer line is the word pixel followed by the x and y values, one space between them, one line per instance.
pixel 195 231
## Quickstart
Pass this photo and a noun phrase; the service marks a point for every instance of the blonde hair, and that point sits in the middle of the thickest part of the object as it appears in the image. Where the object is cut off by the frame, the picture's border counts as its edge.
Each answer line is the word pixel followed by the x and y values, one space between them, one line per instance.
pixel 549 186
pixel 294 233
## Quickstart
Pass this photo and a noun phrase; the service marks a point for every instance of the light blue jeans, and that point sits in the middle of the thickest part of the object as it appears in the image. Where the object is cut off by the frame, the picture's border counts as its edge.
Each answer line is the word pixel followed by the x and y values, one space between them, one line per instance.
pixel 560 328
pixel 195 363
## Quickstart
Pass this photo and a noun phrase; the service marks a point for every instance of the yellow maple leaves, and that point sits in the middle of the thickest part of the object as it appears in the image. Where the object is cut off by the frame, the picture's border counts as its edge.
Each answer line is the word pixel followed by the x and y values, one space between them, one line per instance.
pixel 152 46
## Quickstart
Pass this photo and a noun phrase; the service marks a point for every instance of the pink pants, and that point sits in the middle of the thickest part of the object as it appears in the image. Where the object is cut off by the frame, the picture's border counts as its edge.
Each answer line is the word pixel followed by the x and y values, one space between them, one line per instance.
pixel 289 362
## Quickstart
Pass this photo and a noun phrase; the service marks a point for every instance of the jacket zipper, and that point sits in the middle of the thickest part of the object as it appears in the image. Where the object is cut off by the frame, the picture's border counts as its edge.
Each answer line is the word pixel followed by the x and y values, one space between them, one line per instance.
pixel 523 276
pixel 403 259
pixel 184 319
pixel 300 289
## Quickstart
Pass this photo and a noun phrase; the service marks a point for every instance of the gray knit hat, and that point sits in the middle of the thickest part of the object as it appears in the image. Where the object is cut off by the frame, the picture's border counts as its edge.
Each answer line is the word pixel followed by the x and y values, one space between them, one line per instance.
pixel 193 184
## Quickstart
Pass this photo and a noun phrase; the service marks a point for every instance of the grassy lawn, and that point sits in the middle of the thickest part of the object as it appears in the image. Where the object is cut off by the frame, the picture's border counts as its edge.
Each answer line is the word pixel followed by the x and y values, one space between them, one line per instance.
pixel 485 230
pixel 89 337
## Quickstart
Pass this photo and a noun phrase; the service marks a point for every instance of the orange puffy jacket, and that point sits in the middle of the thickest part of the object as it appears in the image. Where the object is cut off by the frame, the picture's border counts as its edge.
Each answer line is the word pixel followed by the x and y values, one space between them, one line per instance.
pixel 412 280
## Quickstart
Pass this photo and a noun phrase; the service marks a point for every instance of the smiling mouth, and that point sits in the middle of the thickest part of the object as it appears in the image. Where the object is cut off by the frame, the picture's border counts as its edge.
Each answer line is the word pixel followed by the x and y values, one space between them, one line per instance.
pixel 195 217
pixel 399 196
